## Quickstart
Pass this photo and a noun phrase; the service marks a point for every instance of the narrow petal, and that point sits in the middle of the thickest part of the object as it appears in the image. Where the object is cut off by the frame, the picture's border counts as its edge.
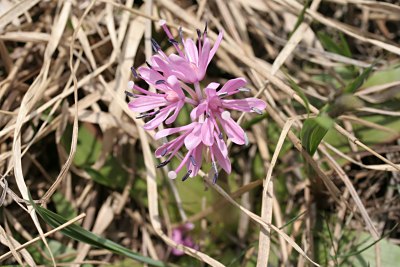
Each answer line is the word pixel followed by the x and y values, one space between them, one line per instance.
pixel 199 110
pixel 169 131
pixel 182 69
pixel 191 51
pixel 203 60
pixel 221 145
pixel 233 130
pixel 215 47
pixel 158 119
pixel 193 139
pixel 151 77
pixel 224 162
pixel 178 107
pixel 198 158
pixel 146 103
pixel 245 105
pixel 207 132
pixel 232 85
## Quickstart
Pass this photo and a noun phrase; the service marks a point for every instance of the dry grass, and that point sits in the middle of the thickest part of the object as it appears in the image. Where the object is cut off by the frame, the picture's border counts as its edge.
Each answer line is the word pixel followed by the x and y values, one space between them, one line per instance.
pixel 64 69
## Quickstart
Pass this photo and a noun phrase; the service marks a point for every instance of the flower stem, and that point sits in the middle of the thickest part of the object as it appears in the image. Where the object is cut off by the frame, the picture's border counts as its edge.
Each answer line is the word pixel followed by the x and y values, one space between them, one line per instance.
pixel 198 90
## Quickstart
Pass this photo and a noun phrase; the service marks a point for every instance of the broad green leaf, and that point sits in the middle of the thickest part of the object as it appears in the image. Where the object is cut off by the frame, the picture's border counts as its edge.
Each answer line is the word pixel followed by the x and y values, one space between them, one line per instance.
pixel 78 233
pixel 313 131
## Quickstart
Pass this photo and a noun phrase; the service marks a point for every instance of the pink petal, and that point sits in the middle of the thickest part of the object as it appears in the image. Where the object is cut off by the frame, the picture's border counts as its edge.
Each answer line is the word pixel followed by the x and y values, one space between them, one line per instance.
pixel 158 119
pixel 198 158
pixel 178 107
pixel 221 145
pixel 199 110
pixel 232 85
pixel 182 68
pixel 215 47
pixel 233 130
pixel 211 89
pixel 146 103
pixel 193 139
pixel 203 60
pixel 207 132
pixel 151 77
pixel 245 105
pixel 191 51
pixel 224 162
pixel 169 131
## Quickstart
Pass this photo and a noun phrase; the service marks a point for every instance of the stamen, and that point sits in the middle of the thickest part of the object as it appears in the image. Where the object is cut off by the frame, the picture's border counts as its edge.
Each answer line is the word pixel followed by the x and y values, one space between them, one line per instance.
pixel 156 47
pixel 149 65
pixel 171 175
pixel 243 89
pixel 164 152
pixel 198 33
pixel 246 139
pixel 220 136
pixel 134 73
pixel 129 94
pixel 160 82
pixel 257 110
pixel 180 34
pixel 192 160
pixel 215 178
pixel 146 115
pixel 226 115
pixel 131 84
pixel 186 175
pixel 223 94
pixel 162 164
pixel 214 166
pixel 205 28
pixel 173 41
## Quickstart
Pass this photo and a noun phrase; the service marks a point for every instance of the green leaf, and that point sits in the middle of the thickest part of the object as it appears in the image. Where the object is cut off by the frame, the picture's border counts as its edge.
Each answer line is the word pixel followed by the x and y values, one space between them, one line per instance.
pixel 300 18
pixel 63 206
pixel 313 131
pixel 359 81
pixel 78 233
pixel 300 92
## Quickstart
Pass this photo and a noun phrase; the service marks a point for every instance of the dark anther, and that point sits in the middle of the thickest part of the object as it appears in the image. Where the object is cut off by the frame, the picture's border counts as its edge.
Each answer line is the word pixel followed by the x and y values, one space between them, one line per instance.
pixel 215 178
pixel 134 73
pixel 192 160
pixel 161 82
pixel 146 115
pixel 186 175
pixel 180 34
pixel 256 110
pixel 205 28
pixel 162 164
pixel 222 94
pixel 164 152
pixel 198 33
pixel 220 135
pixel 148 65
pixel 173 41
pixel 156 47
pixel 130 94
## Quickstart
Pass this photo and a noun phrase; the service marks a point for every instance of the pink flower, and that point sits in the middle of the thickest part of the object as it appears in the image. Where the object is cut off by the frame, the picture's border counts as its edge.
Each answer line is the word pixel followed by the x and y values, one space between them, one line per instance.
pixel 180 236
pixel 171 99
pixel 215 105
pixel 196 137
pixel 191 63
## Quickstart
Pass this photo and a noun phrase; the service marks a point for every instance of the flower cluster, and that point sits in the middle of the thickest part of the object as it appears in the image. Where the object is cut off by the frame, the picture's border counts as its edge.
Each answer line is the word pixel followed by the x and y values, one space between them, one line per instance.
pixel 176 78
